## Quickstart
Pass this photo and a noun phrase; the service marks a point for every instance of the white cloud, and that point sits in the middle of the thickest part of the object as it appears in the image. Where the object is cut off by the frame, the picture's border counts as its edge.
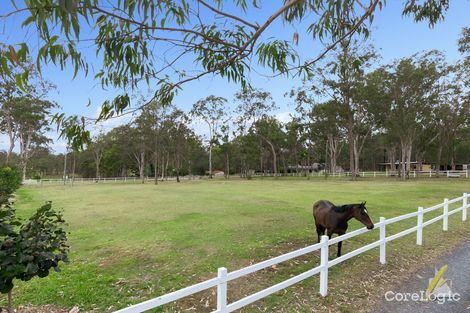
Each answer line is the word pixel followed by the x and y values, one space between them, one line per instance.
pixel 284 117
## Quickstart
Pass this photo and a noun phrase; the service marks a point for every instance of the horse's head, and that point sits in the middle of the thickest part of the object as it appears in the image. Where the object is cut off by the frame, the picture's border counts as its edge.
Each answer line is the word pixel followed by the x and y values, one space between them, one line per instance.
pixel 360 213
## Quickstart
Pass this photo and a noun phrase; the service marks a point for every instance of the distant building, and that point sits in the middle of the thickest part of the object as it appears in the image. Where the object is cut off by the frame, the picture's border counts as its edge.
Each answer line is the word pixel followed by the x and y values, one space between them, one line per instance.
pixel 315 167
pixel 216 173
pixel 414 166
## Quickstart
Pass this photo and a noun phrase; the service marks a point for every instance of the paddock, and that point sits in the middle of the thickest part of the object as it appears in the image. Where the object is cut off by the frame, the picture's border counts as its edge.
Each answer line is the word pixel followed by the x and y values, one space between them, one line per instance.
pixel 133 242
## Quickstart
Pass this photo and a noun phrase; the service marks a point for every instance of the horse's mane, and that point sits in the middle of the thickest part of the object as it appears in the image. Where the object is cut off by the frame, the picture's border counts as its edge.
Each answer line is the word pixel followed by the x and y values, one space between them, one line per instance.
pixel 344 208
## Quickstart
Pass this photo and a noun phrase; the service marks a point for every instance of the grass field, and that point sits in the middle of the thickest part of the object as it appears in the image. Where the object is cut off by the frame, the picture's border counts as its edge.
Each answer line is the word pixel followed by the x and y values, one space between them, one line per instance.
pixel 131 242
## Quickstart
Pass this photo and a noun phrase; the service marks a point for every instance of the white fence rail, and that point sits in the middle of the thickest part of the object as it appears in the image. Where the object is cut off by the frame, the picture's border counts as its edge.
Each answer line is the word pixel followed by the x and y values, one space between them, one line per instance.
pixel 223 277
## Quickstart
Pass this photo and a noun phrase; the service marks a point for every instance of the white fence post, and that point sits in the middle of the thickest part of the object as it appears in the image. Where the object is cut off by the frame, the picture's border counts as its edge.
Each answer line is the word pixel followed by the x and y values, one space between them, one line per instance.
pixel 324 265
pixel 419 231
pixel 382 240
pixel 464 204
pixel 222 290
pixel 445 219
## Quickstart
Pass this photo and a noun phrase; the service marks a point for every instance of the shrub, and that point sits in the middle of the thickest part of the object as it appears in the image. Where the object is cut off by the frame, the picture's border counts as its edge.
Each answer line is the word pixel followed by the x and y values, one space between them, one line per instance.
pixel 10 181
pixel 30 248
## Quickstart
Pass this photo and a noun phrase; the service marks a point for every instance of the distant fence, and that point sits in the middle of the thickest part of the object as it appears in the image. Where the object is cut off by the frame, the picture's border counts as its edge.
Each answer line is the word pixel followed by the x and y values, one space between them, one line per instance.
pixel 223 277
pixel 80 180
pixel 412 174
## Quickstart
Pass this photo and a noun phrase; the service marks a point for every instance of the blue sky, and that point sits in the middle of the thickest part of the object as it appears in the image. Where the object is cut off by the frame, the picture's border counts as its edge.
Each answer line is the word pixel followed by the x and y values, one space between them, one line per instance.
pixel 392 35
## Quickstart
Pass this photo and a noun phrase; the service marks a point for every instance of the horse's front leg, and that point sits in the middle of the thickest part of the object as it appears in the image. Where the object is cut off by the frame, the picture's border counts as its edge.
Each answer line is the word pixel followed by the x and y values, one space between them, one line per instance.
pixel 329 232
pixel 320 231
pixel 340 244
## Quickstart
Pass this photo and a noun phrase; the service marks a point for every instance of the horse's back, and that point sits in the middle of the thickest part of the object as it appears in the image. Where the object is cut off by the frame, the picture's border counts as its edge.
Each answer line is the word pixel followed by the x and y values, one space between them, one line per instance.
pixel 321 209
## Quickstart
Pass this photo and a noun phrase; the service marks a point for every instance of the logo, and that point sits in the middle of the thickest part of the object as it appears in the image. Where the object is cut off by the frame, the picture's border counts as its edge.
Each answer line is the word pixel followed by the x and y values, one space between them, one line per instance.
pixel 439 289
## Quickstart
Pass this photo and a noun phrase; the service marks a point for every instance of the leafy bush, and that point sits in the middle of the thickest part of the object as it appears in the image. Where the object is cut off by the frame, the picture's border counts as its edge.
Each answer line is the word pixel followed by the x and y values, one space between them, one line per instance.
pixel 10 181
pixel 30 248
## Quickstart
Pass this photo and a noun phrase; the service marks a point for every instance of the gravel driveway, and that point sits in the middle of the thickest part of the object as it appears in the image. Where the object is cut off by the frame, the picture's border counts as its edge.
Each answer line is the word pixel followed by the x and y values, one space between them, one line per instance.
pixel 458 272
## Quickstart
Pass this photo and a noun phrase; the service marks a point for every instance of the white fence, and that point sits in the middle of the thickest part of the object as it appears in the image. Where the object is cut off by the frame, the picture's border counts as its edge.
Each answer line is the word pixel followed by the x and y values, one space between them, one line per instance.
pixel 223 277
pixel 411 174
pixel 79 180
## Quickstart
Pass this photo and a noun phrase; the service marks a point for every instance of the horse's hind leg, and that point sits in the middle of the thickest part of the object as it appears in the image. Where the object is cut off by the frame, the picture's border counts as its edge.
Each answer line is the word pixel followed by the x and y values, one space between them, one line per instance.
pixel 320 231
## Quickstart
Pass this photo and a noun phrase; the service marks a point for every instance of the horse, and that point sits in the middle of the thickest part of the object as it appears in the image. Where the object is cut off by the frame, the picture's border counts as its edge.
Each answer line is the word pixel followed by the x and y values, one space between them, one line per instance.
pixel 335 218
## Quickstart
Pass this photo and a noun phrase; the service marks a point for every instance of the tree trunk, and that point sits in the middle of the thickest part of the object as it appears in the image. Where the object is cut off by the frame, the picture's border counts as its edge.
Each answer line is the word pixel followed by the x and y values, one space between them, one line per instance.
pixel 356 156
pixel 227 166
pixel 332 147
pixel 403 161
pixel 155 169
pixel 210 160
pixel 97 164
pixel 142 166
pixel 408 157
pixel 392 158
pixel 73 168
pixel 177 168
pixel 23 165
pixel 10 301
pixel 64 174
pixel 452 159
pixel 10 149
pixel 352 167
pixel 274 157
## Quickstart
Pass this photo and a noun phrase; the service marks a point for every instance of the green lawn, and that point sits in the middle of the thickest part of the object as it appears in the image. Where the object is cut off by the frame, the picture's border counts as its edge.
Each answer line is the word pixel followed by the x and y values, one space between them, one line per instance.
pixel 131 242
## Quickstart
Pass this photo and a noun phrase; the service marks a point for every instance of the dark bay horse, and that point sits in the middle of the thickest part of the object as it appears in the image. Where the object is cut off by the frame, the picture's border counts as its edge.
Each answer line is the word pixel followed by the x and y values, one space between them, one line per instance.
pixel 335 218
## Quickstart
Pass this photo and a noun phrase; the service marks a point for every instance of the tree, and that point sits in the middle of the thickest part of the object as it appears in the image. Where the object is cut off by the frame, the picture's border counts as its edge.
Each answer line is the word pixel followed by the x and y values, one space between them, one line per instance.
pixel 269 129
pixel 342 81
pixel 218 37
pixel 326 123
pixel 451 115
pixel 179 136
pixel 212 111
pixel 28 121
pixel 410 93
pixel 154 115
pixel 98 146
pixel 8 92
pixel 253 105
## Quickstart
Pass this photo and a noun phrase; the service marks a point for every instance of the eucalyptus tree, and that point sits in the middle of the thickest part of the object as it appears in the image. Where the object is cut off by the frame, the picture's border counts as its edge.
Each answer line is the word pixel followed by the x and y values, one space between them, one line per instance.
pixel 342 79
pixel 213 111
pixel 410 92
pixel 97 145
pixel 150 122
pixel 270 130
pixel 452 113
pixel 28 120
pixel 219 38
pixel 8 93
pixel 252 105
pixel 326 125
pixel 175 129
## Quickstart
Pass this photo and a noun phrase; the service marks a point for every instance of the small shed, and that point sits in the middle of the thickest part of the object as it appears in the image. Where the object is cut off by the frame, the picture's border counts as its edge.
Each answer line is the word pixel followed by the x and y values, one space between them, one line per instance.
pixel 415 166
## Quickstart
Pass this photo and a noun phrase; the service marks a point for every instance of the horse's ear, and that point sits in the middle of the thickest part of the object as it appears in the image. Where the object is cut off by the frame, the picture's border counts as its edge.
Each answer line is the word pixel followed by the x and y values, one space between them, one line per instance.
pixel 363 204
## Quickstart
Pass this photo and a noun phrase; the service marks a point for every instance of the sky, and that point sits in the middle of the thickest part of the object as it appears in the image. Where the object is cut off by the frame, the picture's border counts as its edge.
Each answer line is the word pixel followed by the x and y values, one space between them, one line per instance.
pixel 392 35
